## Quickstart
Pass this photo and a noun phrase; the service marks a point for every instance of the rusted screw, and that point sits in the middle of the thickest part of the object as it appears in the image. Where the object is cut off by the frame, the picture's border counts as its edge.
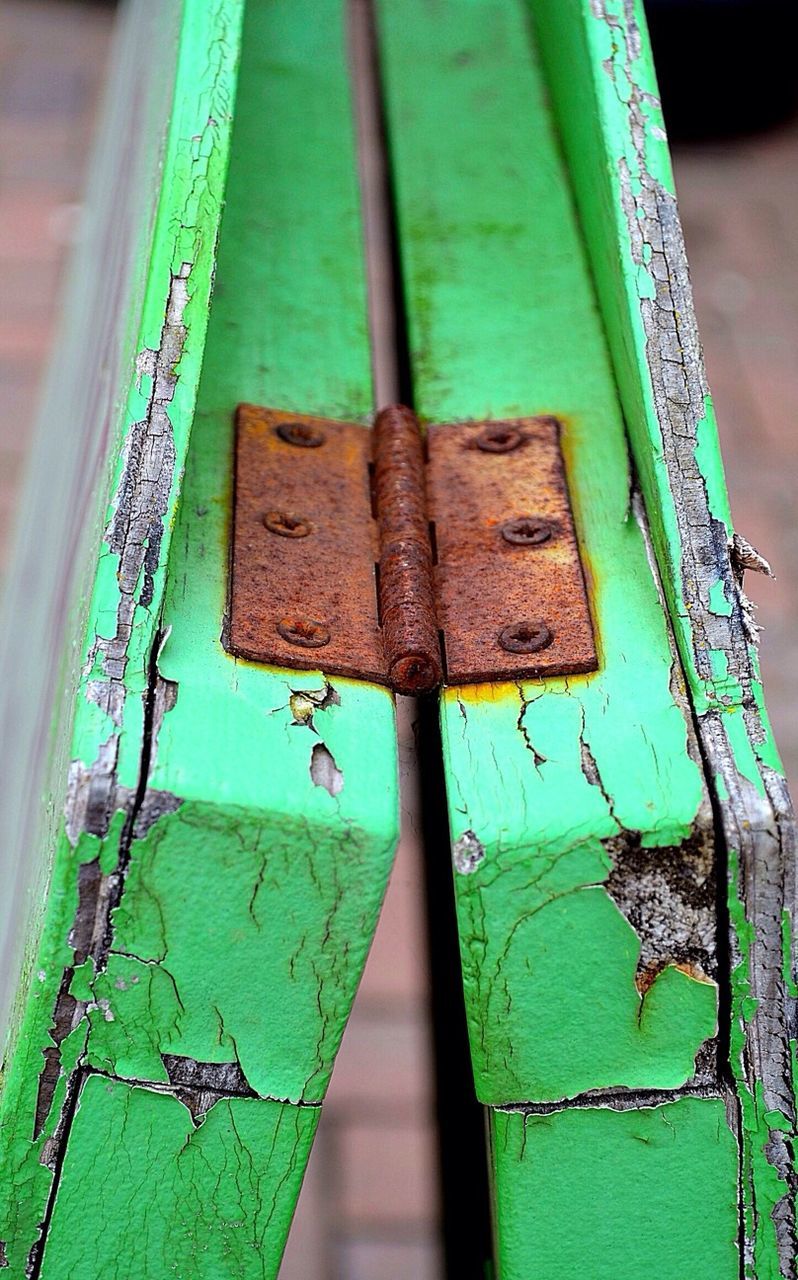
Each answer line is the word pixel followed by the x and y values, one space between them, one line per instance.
pixel 304 632
pixel 301 434
pixel 287 525
pixel 525 637
pixel 499 437
pixel 527 531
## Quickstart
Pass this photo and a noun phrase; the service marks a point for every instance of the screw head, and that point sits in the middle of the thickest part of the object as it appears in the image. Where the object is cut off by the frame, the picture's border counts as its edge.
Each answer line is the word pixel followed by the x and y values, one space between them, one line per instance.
pixel 302 434
pixel 287 525
pixel 306 633
pixel 527 531
pixel 525 637
pixel 499 437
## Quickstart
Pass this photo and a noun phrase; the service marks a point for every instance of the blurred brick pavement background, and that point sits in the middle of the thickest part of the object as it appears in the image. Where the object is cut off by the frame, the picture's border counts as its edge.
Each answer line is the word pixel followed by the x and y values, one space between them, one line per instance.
pixel 369 1206
pixel 52 63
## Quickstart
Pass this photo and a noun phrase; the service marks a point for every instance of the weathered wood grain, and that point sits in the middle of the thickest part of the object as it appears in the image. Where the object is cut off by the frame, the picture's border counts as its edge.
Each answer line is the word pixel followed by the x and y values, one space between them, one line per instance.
pixel 46 598
pixel 114 431
pixel 613 134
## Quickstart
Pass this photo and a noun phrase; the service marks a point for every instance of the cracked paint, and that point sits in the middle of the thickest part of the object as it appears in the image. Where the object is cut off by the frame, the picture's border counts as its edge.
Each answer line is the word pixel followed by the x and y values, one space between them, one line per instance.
pixel 624 187
pixel 248 904
pixel 262 1145
pixel 587 794
pixel 285 895
pixel 574 795
pixel 553 776
pixel 108 805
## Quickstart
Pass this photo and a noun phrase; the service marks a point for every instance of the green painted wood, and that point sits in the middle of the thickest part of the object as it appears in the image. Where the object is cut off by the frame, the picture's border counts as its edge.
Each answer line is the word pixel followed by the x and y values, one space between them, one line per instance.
pixel 289 873
pixel 552 776
pixel 603 1193
pixel 604 88
pixel 211 900
pixel 163 156
pixel 48 591
pixel 216 893
pixel 183 1230
pixel 582 836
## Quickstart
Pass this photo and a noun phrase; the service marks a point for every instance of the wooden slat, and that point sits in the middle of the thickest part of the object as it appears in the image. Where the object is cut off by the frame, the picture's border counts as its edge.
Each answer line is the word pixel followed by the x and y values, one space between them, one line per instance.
pixel 218 880
pixel 112 440
pixel 577 806
pixel 603 85
pixel 48 590
pixel 250 904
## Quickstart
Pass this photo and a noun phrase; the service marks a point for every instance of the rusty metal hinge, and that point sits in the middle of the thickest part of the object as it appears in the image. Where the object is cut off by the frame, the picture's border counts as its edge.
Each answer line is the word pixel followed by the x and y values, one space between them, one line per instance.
pixel 355 554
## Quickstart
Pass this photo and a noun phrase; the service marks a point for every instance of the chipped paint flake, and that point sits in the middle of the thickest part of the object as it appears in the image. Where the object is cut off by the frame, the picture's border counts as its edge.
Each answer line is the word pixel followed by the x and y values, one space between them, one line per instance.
pixel 324 771
pixel 467 853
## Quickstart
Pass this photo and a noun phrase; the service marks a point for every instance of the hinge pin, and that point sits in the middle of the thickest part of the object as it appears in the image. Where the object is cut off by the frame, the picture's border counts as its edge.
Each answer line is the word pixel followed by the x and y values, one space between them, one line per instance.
pixel 406 591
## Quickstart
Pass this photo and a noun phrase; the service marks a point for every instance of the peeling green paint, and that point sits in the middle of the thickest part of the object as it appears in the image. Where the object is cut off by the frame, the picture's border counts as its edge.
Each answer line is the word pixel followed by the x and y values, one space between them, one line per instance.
pixel 209 905
pixel 263 905
pixel 501 324
pixel 624 191
pixel 249 931
pixel 245 919
pixel 210 908
pixel 187 1220
pixel 502 321
pixel 189 158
